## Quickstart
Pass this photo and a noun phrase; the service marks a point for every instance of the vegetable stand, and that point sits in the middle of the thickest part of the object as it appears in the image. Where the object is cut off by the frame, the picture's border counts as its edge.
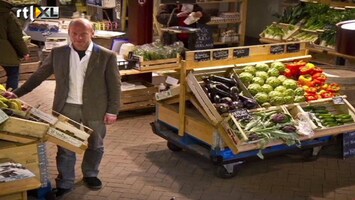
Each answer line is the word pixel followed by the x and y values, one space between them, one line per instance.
pixel 192 122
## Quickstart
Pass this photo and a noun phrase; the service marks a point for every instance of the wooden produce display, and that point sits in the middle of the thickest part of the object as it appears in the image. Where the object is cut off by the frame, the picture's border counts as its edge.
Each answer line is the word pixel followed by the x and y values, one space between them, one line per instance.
pixel 140 96
pixel 227 130
pixel 27 155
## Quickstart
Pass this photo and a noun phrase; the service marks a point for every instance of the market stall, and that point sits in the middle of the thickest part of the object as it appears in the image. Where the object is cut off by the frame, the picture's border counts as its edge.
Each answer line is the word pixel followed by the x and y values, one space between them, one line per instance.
pixel 228 116
pixel 24 129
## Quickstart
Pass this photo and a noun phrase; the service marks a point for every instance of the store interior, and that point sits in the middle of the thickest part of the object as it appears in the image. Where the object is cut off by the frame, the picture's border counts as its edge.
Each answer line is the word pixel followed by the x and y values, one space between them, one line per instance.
pixel 241 80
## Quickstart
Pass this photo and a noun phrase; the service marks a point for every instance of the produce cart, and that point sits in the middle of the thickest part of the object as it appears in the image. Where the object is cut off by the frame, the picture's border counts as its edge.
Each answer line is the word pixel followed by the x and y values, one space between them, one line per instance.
pixel 197 121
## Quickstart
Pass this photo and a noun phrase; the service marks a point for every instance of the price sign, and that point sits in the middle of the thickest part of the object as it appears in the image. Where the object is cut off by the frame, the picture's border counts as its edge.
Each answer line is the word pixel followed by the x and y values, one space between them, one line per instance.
pixel 3 116
pixel 292 48
pixel 338 100
pixel 277 49
pixel 240 53
pixel 204 39
pixel 349 145
pixel 202 56
pixel 220 54
pixel 241 113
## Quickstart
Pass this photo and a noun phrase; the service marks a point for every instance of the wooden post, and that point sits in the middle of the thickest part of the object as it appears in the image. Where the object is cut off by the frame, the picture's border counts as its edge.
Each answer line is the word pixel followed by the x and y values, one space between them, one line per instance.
pixel 140 16
pixel 182 103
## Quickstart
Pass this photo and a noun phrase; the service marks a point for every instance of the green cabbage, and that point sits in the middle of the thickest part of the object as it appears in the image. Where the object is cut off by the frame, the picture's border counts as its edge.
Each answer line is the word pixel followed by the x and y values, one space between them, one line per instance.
pixel 279 66
pixel 262 74
pixel 258 80
pixel 289 83
pixel 250 69
pixel 267 88
pixel 255 88
pixel 273 72
pixel 280 88
pixel 246 77
pixel 273 81
pixel 262 67
pixel 261 97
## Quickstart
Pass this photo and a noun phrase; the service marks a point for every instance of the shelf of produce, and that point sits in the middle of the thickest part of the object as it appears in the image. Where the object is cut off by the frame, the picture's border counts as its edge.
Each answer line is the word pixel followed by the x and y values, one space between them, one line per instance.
pixel 224 22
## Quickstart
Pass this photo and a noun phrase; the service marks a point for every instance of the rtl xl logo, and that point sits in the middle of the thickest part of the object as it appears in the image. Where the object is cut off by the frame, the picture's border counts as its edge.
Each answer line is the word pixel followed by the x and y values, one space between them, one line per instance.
pixel 43 12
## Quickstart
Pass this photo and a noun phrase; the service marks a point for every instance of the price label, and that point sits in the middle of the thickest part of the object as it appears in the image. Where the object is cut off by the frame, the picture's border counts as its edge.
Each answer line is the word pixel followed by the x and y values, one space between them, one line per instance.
pixel 202 56
pixel 241 113
pixel 349 145
pixel 3 116
pixel 277 49
pixel 220 54
pixel 292 48
pixel 240 53
pixel 338 100
pixel 44 116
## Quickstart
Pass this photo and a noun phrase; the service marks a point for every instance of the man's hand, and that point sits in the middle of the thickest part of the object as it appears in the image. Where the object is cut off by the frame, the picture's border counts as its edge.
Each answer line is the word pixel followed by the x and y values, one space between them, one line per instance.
pixel 110 118
pixel 27 57
pixel 9 95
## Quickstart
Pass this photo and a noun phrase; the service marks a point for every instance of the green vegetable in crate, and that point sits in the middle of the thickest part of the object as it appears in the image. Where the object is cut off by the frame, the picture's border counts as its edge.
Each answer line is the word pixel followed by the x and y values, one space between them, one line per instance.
pixel 288 99
pixel 299 99
pixel 282 78
pixel 281 118
pixel 273 81
pixel 289 92
pixel 289 83
pixel 258 80
pixel 299 91
pixel 280 89
pixel 261 97
pixel 254 88
pixel 267 88
pixel 277 100
pixel 251 69
pixel 273 72
pixel 262 74
pixel 246 77
pixel 275 94
pixel 279 66
pixel 262 67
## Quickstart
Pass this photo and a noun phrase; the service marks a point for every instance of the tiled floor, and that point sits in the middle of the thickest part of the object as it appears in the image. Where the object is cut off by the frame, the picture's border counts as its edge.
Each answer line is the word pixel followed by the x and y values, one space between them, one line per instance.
pixel 138 165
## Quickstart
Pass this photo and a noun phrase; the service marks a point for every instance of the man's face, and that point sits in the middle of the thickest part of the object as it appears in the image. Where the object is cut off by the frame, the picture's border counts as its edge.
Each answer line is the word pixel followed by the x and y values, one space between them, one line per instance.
pixel 80 36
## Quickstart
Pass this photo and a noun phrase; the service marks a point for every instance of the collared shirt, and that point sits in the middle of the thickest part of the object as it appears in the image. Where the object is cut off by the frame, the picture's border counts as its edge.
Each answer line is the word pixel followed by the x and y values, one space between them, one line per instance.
pixel 77 70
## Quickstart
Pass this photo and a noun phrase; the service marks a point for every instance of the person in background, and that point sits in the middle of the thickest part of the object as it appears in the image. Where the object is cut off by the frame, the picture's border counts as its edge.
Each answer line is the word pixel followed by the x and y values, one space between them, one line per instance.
pixel 12 46
pixel 87 90
pixel 176 15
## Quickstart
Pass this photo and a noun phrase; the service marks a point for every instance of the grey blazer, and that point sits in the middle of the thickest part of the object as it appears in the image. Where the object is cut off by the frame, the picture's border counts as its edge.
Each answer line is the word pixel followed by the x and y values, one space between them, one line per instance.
pixel 102 82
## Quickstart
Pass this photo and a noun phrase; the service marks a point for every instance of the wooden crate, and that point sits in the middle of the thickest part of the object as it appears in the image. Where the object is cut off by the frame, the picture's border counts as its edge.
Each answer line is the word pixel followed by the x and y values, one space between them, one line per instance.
pixel 284 27
pixel 194 83
pixel 170 63
pixel 27 155
pixel 61 130
pixel 345 108
pixel 24 127
pixel 196 125
pixel 138 98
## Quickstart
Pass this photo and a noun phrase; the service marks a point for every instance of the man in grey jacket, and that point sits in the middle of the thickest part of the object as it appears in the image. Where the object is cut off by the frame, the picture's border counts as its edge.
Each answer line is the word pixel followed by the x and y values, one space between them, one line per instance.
pixel 87 90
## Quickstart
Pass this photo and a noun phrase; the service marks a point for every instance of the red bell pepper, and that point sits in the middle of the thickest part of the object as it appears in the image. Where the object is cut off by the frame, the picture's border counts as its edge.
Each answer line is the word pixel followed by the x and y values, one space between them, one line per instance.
pixel 317 70
pixel 288 73
pixel 327 95
pixel 305 80
pixel 311 97
pixel 307 69
pixel 320 77
pixel 309 90
pixel 334 87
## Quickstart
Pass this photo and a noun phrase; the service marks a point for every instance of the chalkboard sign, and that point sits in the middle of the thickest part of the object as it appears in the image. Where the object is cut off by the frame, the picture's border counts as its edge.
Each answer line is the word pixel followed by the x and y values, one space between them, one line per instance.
pixel 202 56
pixel 292 48
pixel 349 145
pixel 220 54
pixel 277 49
pixel 204 39
pixel 239 53
pixel 241 113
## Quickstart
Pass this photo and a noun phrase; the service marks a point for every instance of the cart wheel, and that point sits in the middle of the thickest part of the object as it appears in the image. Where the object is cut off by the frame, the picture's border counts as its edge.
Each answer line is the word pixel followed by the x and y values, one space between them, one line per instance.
pixel 311 154
pixel 173 147
pixel 222 172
